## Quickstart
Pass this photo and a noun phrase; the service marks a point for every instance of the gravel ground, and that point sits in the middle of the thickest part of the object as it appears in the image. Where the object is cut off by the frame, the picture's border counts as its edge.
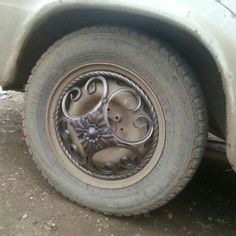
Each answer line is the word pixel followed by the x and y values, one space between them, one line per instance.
pixel 29 206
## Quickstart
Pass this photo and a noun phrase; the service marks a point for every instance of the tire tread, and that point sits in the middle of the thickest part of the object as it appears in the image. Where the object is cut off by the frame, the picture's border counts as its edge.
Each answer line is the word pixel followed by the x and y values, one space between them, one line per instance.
pixel 189 81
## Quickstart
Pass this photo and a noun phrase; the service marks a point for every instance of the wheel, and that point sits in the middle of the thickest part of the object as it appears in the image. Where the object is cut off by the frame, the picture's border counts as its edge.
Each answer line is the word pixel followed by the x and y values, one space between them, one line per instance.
pixel 115 121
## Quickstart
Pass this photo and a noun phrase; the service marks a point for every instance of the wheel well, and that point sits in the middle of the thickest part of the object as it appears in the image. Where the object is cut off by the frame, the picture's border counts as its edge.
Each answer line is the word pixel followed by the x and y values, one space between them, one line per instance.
pixel 60 24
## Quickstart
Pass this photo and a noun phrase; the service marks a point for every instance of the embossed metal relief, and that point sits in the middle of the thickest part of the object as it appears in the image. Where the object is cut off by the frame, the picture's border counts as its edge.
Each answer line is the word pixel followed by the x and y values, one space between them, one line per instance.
pixel 107 125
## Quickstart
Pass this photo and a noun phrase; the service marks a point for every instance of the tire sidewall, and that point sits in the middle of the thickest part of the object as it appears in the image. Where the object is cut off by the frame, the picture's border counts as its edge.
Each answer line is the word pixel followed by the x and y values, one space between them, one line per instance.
pixel 147 62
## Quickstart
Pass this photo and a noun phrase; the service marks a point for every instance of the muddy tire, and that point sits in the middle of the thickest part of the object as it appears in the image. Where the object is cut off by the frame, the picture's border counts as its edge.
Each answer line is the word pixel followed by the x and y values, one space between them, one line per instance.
pixel 172 108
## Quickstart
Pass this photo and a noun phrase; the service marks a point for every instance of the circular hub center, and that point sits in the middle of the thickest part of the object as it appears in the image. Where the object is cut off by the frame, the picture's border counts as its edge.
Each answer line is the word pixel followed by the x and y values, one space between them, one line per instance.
pixel 92 132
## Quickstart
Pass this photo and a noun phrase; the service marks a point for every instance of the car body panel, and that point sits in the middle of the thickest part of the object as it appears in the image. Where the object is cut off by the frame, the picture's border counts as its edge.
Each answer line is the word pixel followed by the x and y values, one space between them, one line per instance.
pixel 229 4
pixel 210 21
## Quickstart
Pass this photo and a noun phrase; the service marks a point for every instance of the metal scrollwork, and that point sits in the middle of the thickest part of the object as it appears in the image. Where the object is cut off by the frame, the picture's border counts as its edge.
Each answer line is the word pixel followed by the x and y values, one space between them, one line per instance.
pixel 84 136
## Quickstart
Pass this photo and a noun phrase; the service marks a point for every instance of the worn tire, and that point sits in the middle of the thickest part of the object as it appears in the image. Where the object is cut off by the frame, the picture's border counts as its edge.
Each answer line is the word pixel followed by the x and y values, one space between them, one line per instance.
pixel 177 90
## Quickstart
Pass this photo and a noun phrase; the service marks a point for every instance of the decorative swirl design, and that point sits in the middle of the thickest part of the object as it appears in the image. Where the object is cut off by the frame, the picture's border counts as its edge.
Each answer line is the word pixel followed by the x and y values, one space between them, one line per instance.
pixel 126 90
pixel 73 98
pixel 94 131
pixel 91 84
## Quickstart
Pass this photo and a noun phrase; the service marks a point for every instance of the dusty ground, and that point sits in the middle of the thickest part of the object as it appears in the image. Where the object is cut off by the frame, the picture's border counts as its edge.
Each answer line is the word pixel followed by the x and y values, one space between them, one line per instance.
pixel 29 206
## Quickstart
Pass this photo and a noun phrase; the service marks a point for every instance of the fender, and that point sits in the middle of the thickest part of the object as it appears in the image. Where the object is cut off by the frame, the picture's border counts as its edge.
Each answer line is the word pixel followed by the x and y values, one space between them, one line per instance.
pixel 211 22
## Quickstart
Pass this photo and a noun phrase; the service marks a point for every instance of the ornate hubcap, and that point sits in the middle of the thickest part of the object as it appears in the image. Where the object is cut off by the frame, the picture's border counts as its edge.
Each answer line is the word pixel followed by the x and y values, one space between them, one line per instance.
pixel 106 125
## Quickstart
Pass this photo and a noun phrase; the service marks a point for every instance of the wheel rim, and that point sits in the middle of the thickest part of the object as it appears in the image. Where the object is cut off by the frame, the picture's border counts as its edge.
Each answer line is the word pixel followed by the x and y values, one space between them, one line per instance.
pixel 106 124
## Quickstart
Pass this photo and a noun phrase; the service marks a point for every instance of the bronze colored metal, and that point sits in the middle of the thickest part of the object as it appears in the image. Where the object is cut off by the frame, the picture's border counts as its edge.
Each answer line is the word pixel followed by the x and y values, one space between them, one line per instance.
pixel 101 113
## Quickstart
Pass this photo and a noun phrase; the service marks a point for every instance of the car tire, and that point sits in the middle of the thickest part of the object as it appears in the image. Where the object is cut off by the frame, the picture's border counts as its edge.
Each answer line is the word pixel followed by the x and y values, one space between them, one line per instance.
pixel 162 78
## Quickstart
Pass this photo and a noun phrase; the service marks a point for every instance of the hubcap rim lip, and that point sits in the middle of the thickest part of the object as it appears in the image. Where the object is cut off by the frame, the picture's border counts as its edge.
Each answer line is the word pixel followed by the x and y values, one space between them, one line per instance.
pixel 62 157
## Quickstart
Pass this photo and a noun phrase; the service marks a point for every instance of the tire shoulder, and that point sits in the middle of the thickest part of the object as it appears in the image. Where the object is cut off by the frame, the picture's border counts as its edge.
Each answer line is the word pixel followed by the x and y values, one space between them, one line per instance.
pixel 184 74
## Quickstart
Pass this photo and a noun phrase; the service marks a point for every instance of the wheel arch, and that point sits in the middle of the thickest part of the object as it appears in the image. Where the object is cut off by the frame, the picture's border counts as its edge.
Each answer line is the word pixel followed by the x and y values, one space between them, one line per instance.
pixel 192 40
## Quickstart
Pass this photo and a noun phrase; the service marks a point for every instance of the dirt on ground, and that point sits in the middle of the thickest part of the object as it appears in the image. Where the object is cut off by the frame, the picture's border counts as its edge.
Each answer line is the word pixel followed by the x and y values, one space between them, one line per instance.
pixel 30 206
